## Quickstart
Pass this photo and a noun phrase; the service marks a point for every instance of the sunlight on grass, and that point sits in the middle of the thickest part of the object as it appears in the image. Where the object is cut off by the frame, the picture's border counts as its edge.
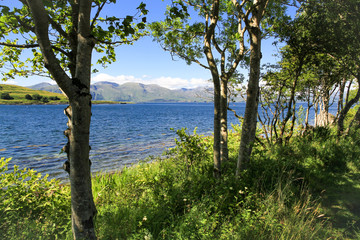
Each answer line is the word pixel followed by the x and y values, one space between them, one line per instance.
pixel 300 191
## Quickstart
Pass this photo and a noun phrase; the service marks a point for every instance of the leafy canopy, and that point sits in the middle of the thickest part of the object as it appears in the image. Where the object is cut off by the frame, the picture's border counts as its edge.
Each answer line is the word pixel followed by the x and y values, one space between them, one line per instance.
pixel 17 33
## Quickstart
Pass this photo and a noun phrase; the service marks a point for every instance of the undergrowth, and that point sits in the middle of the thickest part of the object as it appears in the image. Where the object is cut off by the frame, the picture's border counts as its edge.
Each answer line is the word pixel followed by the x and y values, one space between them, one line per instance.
pixel 307 189
pixel 31 206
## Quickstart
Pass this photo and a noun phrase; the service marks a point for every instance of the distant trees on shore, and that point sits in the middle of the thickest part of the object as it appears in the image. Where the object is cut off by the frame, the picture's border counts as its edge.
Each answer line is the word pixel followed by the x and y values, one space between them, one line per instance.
pixel 34 97
pixel 6 96
pixel 38 97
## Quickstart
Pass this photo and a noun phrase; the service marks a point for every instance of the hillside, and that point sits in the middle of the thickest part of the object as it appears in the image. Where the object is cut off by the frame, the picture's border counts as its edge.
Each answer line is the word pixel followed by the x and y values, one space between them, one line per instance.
pixel 12 94
pixel 137 92
pixel 46 87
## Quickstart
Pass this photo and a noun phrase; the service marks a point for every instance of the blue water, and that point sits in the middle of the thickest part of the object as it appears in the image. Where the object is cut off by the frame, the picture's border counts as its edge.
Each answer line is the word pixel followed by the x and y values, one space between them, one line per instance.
pixel 120 134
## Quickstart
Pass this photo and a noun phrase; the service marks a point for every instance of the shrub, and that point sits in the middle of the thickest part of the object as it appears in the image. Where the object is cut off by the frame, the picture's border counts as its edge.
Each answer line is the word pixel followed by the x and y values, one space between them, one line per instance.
pixel 45 100
pixel 54 98
pixel 191 149
pixel 37 97
pixel 28 97
pixel 31 205
pixel 6 96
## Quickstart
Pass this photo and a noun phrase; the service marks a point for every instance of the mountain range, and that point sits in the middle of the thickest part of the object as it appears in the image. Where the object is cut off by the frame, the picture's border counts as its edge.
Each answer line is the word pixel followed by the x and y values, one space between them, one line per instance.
pixel 137 92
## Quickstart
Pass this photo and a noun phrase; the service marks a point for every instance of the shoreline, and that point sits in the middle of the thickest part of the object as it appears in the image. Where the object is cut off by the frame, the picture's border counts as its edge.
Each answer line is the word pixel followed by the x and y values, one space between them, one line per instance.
pixel 96 102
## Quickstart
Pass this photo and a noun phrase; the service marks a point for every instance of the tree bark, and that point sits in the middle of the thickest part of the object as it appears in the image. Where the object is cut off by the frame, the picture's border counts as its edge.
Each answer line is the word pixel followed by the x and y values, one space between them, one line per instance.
pixel 346 108
pixel 248 133
pixel 216 81
pixel 77 90
pixel 250 117
pixel 224 154
pixel 355 123
pixel 82 203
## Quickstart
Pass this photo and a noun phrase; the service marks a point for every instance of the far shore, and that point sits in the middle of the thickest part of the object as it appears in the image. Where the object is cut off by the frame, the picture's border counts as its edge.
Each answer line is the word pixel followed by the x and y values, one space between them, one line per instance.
pixel 97 102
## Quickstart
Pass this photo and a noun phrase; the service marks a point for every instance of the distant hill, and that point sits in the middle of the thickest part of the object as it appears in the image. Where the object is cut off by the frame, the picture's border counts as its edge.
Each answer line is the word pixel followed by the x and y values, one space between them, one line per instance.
pixel 17 95
pixel 137 92
pixel 46 87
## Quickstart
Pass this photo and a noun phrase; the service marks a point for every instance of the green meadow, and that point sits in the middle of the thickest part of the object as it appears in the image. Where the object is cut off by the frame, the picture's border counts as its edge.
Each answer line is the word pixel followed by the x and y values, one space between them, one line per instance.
pixel 18 96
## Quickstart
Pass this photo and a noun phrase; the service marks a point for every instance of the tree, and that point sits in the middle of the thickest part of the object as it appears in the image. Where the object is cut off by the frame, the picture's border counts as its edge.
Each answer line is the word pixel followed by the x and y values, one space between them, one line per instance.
pixel 62 35
pixel 334 28
pixel 260 17
pixel 28 97
pixel 37 97
pixel 214 40
pixel 45 99
pixel 6 96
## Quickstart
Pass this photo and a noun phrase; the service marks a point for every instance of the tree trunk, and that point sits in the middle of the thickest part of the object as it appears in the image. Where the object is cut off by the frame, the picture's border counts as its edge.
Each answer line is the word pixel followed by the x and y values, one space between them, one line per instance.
pixel 216 81
pixel 217 128
pixel 292 100
pixel 341 97
pixel 250 117
pixel 347 107
pixel 355 122
pixel 224 155
pixel 82 205
pixel 77 90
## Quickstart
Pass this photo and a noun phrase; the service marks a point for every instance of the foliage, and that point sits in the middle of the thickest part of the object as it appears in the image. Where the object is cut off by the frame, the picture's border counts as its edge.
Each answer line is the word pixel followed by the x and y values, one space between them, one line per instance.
pixel 37 97
pixel 54 98
pixel 307 189
pixel 6 96
pixel 17 36
pixel 190 148
pixel 28 97
pixel 44 99
pixel 31 205
pixel 277 198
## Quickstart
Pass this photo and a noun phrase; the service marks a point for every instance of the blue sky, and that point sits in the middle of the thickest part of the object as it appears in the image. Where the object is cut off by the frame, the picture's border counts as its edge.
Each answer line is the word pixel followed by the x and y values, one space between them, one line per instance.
pixel 145 61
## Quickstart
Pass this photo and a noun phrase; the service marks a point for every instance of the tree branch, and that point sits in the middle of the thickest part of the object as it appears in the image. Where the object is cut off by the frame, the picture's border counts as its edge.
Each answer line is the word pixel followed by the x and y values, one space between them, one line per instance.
pixel 35 45
pixel 19 45
pixel 97 14
pixel 41 22
pixel 58 28
pixel 185 57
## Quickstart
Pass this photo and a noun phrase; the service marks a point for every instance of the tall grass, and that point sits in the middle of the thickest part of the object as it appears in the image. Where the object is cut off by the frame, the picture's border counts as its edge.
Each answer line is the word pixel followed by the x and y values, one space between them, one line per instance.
pixel 288 192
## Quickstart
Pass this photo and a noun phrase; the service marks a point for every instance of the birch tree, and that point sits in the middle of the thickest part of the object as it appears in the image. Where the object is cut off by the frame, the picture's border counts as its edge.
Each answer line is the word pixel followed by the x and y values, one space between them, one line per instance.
pixel 212 35
pixel 62 35
pixel 259 17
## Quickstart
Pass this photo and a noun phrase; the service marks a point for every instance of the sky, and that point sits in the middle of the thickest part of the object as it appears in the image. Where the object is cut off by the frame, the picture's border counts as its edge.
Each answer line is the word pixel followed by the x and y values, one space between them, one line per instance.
pixel 145 61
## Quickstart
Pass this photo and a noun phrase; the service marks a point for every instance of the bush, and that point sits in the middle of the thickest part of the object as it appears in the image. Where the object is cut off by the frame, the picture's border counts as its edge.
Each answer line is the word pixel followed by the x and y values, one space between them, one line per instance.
pixel 54 98
pixel 31 205
pixel 28 97
pixel 45 100
pixel 191 149
pixel 37 97
pixel 6 96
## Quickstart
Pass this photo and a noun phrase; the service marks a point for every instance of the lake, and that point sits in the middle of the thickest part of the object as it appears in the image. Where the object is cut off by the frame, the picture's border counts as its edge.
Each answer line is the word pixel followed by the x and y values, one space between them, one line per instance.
pixel 120 134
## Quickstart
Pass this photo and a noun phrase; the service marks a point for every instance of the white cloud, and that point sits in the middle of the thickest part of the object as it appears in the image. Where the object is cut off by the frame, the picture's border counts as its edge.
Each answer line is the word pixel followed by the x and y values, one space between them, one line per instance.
pixel 12 82
pixel 168 82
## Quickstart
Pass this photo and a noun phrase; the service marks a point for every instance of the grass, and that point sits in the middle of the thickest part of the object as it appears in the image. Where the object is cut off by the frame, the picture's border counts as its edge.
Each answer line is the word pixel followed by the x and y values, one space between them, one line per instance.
pixel 18 93
pixel 308 189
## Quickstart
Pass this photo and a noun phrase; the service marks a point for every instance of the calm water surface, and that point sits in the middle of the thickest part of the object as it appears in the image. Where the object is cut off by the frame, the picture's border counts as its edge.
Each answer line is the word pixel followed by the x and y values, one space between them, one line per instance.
pixel 120 134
